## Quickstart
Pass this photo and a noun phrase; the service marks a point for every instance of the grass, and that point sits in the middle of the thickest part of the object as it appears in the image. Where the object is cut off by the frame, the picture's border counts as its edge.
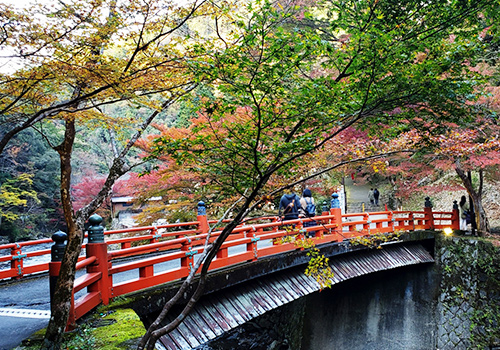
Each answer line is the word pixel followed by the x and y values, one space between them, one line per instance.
pixel 106 329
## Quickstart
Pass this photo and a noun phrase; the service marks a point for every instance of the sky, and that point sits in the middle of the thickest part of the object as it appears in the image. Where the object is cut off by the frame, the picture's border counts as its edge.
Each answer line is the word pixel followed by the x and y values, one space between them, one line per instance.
pixel 6 64
pixel 22 3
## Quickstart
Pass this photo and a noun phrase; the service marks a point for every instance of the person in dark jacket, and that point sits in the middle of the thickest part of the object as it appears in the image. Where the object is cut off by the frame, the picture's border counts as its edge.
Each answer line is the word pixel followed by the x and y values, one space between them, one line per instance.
pixel 376 195
pixel 289 206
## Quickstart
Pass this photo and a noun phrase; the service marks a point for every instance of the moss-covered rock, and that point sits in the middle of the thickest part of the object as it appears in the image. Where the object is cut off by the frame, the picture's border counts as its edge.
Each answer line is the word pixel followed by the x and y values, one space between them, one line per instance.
pixel 122 331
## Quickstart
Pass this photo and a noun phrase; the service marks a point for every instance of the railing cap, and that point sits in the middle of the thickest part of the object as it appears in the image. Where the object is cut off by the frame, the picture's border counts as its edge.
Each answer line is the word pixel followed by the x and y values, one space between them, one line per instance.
pixel 335 203
pixel 95 220
pixel 59 237
pixel 201 208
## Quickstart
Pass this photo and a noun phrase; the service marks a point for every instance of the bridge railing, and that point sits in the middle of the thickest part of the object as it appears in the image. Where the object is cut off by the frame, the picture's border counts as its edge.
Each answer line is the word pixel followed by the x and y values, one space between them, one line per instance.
pixel 20 255
pixel 21 260
pixel 179 244
pixel 106 276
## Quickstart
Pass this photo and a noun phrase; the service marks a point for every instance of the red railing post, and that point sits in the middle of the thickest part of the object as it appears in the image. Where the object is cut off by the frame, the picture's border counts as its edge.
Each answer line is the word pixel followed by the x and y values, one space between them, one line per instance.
pixel 366 225
pixel 390 221
pixel 17 260
pixel 98 248
pixel 156 236
pixel 428 216
pixel 336 212
pixel 455 217
pixel 252 246
pixel 187 260
pixel 202 217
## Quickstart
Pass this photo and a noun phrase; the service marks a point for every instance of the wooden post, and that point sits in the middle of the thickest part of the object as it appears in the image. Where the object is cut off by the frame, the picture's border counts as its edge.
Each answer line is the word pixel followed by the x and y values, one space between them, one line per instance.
pixel 56 255
pixel 156 236
pixel 366 225
pixel 336 212
pixel 17 260
pixel 98 248
pixel 390 223
pixel 455 217
pixel 428 216
pixel 202 217
pixel 252 245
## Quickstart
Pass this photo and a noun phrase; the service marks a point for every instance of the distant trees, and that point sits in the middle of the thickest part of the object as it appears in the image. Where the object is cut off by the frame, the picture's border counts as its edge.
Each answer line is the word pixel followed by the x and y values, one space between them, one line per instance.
pixel 28 155
pixel 15 197
pixel 468 151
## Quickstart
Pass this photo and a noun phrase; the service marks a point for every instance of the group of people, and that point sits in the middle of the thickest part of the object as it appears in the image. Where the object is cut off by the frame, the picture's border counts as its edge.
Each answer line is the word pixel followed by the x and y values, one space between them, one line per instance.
pixel 293 207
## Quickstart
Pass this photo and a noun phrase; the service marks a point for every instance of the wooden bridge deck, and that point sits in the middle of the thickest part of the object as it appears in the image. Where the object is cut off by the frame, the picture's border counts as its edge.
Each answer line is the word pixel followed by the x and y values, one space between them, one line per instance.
pixel 217 314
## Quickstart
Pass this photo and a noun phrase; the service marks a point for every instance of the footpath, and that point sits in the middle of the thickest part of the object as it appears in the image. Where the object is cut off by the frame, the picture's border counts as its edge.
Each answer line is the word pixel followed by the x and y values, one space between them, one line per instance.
pixel 24 309
pixel 356 195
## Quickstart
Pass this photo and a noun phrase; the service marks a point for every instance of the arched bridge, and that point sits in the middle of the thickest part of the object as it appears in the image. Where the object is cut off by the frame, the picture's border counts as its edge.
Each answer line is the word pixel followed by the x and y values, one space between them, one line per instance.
pixel 233 298
pixel 265 243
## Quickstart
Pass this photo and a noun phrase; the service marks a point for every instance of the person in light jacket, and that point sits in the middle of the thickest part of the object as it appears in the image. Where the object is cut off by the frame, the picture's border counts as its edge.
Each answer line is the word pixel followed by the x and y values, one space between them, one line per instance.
pixel 464 212
pixel 308 210
pixel 371 196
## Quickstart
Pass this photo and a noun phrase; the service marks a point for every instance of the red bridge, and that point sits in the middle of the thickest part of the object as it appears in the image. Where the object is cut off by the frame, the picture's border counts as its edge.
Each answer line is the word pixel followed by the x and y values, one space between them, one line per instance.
pixel 177 244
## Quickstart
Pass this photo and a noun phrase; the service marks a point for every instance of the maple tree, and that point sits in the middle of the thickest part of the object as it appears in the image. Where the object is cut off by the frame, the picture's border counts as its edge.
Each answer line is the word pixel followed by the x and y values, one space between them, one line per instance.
pixel 284 91
pixel 474 147
pixel 78 59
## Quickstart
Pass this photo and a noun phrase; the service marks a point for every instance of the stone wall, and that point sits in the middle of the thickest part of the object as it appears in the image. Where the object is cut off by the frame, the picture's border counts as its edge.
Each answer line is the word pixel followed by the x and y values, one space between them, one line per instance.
pixel 391 310
pixel 469 304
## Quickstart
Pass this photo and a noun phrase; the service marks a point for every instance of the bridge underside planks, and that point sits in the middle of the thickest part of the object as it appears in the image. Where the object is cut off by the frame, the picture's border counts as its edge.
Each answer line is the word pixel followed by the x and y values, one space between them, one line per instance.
pixel 241 304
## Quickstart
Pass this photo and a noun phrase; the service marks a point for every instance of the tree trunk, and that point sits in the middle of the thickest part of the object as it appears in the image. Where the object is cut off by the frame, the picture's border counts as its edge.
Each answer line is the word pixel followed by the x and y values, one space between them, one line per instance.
pixel 483 225
pixel 61 300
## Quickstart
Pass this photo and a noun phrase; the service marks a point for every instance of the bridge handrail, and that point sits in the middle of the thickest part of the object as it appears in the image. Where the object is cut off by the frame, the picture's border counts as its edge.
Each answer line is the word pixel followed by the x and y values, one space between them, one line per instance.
pixel 152 228
pixel 85 262
pixel 150 236
pixel 17 257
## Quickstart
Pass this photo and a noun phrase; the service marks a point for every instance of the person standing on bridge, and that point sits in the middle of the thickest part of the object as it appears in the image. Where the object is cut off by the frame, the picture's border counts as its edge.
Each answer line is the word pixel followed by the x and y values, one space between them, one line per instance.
pixel 289 206
pixel 308 210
